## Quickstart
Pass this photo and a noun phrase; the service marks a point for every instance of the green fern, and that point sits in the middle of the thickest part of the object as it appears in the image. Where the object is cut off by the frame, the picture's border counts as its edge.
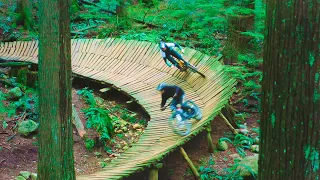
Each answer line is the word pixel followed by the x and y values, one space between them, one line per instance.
pixel 87 95
pixel 99 120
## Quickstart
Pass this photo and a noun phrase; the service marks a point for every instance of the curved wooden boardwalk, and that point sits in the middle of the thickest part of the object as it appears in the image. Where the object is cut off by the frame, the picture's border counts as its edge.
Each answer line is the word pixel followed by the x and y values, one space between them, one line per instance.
pixel 137 67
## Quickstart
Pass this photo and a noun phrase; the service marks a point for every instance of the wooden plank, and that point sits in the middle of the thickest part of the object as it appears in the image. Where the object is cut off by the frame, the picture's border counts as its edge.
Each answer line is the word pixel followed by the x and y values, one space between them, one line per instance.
pixel 92 46
pixel 94 59
pixel 80 45
pixel 9 47
pixel 138 52
pixel 103 45
pixel 129 55
pixel 120 47
pixel 75 58
pixel 34 53
pixel 116 65
pixel 150 53
pixel 128 47
pixel 135 70
pixel 79 58
pixel 85 44
pixel 14 53
pixel 3 48
pixel 83 60
pixel 107 65
pixel 24 47
pixel 28 49
pixel 108 51
pixel 100 62
pixel 142 55
pixel 119 67
pixel 31 49
pixel 127 68
pixel 76 48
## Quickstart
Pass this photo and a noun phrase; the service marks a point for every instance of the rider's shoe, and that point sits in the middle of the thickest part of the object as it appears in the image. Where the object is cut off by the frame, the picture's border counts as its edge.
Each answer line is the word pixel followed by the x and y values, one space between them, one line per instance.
pixel 180 68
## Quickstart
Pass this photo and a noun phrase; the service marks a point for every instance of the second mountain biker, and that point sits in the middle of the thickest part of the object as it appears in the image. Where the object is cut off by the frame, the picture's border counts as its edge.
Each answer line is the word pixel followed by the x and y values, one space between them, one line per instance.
pixel 168 91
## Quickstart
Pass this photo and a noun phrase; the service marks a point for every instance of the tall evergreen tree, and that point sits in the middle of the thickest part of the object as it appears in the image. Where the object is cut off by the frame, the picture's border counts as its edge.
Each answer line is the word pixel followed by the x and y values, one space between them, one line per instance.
pixel 290 121
pixel 55 131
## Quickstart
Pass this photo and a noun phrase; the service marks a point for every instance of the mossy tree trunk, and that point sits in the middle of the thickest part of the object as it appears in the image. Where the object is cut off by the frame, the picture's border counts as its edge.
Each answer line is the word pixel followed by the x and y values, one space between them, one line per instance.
pixel 149 3
pixel 290 121
pixel 55 159
pixel 238 23
pixel 121 9
pixel 25 14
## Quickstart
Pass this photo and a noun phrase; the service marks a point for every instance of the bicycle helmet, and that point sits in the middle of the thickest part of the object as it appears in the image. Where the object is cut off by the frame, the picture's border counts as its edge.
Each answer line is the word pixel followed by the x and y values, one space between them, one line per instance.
pixel 161 86
pixel 162 45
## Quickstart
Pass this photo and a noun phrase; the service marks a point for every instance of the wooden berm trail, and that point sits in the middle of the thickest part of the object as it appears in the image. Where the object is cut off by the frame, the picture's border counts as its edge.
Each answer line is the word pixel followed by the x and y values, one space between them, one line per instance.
pixel 136 67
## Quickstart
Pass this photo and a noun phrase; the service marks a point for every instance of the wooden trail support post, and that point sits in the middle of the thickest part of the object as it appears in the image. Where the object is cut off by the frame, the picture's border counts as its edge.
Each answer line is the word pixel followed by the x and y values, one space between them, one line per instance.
pixel 153 173
pixel 77 122
pixel 228 123
pixel 209 139
pixel 190 164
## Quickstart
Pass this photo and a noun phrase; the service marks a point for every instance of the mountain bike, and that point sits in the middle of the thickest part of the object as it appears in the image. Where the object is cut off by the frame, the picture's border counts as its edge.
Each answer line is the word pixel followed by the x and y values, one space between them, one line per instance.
pixel 181 116
pixel 184 67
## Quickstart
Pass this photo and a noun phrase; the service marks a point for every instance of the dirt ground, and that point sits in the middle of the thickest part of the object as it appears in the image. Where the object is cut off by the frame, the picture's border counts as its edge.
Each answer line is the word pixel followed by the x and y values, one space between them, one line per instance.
pixel 20 153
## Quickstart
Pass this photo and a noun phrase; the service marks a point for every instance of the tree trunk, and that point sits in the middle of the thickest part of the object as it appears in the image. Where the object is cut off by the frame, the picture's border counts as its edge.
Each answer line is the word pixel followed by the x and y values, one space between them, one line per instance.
pixel 55 159
pixel 120 9
pixel 290 122
pixel 25 14
pixel 238 23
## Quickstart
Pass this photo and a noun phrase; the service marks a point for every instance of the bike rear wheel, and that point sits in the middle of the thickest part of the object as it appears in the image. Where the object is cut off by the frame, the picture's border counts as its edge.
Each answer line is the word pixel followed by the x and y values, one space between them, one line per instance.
pixel 193 109
pixel 180 126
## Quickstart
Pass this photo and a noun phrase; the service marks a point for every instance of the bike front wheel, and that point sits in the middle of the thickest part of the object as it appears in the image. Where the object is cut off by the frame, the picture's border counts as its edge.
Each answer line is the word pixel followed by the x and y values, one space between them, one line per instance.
pixel 195 70
pixel 179 125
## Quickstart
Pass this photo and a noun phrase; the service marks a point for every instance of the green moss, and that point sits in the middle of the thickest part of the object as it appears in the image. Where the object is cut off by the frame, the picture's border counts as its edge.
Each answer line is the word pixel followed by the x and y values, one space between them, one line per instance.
pixel 273 119
pixel 316 96
pixel 312 156
pixel 311 59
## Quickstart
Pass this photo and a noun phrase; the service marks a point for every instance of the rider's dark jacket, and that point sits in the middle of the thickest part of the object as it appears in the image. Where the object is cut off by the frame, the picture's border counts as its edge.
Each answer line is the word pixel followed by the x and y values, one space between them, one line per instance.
pixel 170 91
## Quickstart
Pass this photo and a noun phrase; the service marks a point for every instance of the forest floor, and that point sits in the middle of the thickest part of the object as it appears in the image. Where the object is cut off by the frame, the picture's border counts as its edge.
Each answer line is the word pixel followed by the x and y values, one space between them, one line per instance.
pixel 19 153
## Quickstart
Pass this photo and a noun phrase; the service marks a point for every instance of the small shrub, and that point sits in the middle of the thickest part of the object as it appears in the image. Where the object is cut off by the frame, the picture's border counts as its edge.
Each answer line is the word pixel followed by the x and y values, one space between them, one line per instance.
pixel 89 143
pixel 87 95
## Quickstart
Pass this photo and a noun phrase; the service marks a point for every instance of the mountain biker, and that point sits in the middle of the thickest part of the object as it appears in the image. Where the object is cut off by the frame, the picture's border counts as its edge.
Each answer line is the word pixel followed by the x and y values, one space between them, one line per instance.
pixel 167 52
pixel 168 91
